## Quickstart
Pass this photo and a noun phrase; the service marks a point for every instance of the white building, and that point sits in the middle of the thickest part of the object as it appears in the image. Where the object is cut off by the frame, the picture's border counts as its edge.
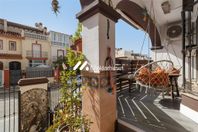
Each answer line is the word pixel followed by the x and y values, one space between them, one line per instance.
pixel 121 53
pixel 59 43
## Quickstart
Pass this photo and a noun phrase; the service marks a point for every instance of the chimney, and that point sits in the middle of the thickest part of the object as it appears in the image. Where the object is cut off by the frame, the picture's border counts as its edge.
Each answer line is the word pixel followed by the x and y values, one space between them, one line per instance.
pixel 5 25
pixel 22 33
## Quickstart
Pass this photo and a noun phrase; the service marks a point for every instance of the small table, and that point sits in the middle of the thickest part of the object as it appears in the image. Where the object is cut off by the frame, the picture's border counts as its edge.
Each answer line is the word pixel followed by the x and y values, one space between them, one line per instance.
pixel 173 79
pixel 127 77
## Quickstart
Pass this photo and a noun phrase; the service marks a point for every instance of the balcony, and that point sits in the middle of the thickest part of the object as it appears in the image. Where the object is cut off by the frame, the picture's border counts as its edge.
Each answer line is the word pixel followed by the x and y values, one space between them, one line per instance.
pixel 41 55
pixel 10 55
pixel 55 58
pixel 36 36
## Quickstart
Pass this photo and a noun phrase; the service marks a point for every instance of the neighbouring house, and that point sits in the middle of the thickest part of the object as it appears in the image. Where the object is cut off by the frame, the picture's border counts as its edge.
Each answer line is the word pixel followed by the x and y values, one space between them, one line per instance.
pixel 59 43
pixel 21 47
pixel 121 53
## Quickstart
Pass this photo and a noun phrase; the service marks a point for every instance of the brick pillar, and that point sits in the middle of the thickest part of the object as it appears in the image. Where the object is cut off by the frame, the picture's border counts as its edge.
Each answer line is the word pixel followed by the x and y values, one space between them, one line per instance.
pixel 98 34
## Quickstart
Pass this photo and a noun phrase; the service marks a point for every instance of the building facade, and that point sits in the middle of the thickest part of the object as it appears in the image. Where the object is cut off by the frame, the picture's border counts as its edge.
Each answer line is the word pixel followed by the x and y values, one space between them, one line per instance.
pixel 121 53
pixel 59 43
pixel 22 47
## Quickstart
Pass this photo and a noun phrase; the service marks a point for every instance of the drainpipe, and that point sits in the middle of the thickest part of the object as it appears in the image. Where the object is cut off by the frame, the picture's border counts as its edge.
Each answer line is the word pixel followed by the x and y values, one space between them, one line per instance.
pixel 196 50
pixel 190 50
pixel 183 48
pixel 22 33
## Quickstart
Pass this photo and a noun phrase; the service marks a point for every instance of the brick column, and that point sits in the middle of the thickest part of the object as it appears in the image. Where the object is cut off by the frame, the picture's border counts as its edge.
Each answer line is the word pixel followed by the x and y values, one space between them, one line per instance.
pixel 98 34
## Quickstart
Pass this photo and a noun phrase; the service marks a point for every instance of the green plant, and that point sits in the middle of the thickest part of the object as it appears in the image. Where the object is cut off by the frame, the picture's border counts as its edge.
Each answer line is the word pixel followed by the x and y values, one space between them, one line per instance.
pixel 58 63
pixel 77 34
pixel 69 112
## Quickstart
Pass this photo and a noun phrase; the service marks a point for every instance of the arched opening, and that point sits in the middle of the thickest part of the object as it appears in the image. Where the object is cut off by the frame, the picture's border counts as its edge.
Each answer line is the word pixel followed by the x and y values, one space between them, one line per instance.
pixel 141 17
pixel 15 72
pixel 14 65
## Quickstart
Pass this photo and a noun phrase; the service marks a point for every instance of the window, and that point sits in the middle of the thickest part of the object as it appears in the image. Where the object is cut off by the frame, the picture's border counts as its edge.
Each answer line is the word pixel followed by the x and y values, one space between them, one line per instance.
pixel 34 63
pixel 36 50
pixel 60 53
pixel 1 44
pixel 12 45
pixel 59 37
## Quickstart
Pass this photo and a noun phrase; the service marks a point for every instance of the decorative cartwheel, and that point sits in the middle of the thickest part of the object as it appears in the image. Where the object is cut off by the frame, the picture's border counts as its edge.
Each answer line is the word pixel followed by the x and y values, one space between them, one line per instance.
pixel 34 108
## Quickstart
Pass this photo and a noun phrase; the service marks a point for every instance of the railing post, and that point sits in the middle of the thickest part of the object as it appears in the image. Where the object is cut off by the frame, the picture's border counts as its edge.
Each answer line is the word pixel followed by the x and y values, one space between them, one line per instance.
pixel 183 48
pixel 19 111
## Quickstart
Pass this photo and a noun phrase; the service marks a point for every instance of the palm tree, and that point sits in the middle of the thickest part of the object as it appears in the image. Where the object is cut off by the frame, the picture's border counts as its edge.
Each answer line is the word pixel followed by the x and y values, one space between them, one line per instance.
pixel 55 6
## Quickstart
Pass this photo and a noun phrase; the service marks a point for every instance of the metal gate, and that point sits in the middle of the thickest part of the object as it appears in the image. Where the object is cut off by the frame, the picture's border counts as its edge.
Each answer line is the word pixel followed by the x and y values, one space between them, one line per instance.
pixel 17 108
pixel 9 109
pixel 15 76
pixel 15 72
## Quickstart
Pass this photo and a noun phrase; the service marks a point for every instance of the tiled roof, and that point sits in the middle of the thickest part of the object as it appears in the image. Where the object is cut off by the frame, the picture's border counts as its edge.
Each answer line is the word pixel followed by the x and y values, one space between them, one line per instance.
pixel 10 56
pixel 10 34
pixel 9 23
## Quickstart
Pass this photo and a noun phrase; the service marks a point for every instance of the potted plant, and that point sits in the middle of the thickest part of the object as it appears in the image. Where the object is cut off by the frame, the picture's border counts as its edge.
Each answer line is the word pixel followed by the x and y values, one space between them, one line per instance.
pixel 68 116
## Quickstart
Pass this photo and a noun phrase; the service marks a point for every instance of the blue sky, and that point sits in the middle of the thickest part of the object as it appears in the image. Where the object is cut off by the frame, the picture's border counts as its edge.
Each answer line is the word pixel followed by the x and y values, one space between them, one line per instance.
pixel 29 12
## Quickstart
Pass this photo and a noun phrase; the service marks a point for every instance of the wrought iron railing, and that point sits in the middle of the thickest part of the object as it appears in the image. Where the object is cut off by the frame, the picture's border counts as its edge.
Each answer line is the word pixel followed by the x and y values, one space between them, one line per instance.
pixel 37 54
pixel 9 110
pixel 36 36
pixel 32 72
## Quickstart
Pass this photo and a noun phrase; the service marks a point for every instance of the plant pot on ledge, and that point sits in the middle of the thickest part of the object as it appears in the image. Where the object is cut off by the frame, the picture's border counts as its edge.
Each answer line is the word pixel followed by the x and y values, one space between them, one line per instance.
pixel 77 45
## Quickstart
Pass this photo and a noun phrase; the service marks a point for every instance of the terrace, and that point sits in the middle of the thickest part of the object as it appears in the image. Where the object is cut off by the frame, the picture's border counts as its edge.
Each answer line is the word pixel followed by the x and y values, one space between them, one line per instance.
pixel 149 112
pixel 141 111
pixel 128 99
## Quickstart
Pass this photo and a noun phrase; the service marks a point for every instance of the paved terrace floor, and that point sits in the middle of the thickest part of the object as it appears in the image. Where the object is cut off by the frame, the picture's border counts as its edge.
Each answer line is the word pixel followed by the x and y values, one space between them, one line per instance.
pixel 150 113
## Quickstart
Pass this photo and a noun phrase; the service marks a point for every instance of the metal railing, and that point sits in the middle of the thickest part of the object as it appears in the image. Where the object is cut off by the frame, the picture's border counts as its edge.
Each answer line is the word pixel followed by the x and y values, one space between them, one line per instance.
pixel 4 52
pixel 12 105
pixel 36 36
pixel 9 109
pixel 60 44
pixel 55 58
pixel 32 72
pixel 37 54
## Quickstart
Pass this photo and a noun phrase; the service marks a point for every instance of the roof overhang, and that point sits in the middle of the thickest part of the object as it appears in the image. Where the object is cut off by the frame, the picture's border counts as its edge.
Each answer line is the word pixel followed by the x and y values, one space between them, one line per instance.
pixel 130 12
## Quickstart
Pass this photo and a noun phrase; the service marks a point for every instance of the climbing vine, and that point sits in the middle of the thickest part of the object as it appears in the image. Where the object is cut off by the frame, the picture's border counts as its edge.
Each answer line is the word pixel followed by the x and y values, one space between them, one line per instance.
pixel 68 113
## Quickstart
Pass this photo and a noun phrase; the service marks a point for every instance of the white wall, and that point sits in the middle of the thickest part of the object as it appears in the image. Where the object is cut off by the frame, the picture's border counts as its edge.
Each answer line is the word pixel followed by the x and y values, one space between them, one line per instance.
pixel 59 41
pixel 171 51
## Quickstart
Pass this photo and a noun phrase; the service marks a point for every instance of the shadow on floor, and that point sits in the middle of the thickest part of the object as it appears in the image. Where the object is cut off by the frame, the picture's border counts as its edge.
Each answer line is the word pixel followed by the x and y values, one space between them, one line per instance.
pixel 139 109
pixel 171 104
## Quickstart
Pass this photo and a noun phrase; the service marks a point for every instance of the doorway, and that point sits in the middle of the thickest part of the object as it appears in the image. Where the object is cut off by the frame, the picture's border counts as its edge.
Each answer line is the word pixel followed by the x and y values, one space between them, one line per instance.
pixel 15 72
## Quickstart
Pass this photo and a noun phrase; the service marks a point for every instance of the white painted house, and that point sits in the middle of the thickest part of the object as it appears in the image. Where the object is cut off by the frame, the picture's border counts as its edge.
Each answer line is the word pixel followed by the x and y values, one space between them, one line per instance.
pixel 121 53
pixel 59 43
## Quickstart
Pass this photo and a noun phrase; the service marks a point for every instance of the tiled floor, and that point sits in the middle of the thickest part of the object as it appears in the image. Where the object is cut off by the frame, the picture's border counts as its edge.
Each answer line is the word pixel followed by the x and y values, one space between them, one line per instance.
pixel 151 113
